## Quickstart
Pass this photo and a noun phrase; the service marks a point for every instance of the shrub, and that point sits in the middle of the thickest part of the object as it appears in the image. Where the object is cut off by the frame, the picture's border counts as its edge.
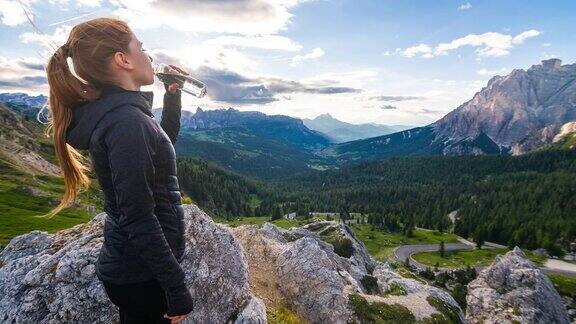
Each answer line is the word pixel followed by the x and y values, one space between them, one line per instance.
pixel 370 283
pixel 343 247
pixel 379 312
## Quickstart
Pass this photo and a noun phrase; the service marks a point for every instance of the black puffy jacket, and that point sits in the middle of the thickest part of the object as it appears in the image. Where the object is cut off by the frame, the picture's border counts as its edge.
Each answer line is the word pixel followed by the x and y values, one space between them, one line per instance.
pixel 134 159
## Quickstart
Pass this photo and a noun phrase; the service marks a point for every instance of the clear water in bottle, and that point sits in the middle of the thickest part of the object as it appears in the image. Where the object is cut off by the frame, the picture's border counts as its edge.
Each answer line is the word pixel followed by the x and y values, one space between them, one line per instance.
pixel 188 84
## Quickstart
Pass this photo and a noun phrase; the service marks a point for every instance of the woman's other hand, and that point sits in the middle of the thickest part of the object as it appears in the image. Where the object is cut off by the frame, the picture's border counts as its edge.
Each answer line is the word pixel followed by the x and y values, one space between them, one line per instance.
pixel 176 319
pixel 173 87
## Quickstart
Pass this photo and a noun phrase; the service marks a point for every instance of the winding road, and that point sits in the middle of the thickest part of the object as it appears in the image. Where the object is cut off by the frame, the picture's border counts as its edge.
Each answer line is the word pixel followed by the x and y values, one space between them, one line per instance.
pixel 405 251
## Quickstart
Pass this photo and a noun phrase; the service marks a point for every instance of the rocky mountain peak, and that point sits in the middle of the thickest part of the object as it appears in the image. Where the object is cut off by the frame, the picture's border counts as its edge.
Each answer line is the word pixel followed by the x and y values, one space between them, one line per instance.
pixel 520 111
pixel 326 116
pixel 552 63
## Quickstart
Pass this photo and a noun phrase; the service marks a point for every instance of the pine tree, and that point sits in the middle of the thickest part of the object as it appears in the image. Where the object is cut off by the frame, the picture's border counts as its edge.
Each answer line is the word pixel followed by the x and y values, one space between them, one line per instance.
pixel 442 249
pixel 277 214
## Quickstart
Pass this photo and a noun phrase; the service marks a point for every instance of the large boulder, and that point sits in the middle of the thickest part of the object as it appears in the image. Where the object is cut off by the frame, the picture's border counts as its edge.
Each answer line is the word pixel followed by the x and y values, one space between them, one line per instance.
pixel 513 290
pixel 324 272
pixel 50 278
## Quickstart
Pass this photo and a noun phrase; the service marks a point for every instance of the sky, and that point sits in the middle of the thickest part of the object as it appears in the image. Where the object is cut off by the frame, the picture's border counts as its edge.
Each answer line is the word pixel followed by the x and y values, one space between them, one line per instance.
pixel 362 61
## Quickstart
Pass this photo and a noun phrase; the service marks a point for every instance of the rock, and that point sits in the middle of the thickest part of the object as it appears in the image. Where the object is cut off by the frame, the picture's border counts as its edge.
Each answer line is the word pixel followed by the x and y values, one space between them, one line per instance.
pixel 513 290
pixel 236 275
pixel 50 278
pixel 566 130
pixel 415 295
pixel 300 267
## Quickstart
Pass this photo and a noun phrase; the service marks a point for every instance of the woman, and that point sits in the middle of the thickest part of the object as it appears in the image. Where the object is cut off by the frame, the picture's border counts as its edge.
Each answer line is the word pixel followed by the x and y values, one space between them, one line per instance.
pixel 134 160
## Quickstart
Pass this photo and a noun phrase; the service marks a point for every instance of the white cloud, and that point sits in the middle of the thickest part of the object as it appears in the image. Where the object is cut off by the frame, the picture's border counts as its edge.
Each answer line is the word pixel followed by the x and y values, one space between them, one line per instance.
pixel 247 17
pixel 23 74
pixel 56 39
pixel 520 38
pixel 316 53
pixel 213 56
pixel 273 42
pixel 489 44
pixel 12 12
pixel 412 51
pixel 465 6
pixel 357 79
pixel 492 72
pixel 79 3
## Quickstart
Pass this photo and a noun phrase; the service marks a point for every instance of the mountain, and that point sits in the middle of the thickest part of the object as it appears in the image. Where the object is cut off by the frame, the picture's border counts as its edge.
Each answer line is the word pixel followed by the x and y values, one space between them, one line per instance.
pixel 284 129
pixel 513 114
pixel 23 146
pixel 520 111
pixel 339 131
pixel 23 103
pixel 251 143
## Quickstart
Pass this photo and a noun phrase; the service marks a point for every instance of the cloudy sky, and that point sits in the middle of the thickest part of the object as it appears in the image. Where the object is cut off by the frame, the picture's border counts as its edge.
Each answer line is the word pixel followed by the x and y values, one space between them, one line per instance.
pixel 382 61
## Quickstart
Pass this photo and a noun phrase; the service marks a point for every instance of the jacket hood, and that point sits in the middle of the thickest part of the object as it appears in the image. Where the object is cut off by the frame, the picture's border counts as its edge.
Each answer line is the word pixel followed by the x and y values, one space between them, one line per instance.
pixel 86 116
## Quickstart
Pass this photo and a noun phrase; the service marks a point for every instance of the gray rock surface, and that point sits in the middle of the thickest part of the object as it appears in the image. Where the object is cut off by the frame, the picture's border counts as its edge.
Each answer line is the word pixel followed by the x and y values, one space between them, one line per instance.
pixel 299 267
pixel 513 290
pixel 50 278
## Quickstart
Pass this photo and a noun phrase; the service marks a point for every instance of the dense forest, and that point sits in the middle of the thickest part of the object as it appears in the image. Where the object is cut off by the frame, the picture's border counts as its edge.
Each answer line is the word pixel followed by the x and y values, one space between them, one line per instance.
pixel 528 200
pixel 222 193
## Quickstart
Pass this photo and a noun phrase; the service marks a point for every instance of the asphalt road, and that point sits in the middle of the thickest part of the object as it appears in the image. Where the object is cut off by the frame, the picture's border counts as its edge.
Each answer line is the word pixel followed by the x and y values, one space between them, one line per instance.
pixel 406 251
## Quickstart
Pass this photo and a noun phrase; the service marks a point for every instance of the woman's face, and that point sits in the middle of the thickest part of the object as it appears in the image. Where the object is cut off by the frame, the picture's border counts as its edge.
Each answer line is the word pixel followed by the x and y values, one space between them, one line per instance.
pixel 142 62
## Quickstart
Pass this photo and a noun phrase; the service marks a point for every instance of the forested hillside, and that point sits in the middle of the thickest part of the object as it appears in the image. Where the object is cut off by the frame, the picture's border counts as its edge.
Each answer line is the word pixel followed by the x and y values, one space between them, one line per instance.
pixel 527 200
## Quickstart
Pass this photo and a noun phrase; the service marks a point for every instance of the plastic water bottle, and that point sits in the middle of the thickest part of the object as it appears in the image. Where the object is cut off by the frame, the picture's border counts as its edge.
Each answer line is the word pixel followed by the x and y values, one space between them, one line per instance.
pixel 188 84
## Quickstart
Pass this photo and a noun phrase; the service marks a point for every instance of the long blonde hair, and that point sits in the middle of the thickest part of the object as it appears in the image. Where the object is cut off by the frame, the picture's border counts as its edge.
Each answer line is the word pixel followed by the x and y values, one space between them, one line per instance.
pixel 91 45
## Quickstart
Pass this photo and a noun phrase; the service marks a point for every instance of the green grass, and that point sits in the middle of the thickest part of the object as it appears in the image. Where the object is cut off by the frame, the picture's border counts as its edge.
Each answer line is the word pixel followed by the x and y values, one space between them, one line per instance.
pixel 260 220
pixel 283 314
pixel 379 312
pixel 381 244
pixel 463 258
pixel 19 205
pixel 395 289
pixel 448 314
pixel 566 286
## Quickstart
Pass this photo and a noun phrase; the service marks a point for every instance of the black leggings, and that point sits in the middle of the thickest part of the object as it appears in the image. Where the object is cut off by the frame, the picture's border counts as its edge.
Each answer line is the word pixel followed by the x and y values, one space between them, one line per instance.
pixel 142 303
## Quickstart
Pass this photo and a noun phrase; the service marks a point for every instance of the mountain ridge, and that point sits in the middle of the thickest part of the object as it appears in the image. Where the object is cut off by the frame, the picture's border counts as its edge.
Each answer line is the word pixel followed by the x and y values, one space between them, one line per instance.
pixel 340 131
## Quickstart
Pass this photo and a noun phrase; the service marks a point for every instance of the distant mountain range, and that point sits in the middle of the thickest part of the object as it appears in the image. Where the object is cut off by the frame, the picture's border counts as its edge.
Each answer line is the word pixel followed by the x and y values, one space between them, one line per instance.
pixel 339 131
pixel 23 103
pixel 513 114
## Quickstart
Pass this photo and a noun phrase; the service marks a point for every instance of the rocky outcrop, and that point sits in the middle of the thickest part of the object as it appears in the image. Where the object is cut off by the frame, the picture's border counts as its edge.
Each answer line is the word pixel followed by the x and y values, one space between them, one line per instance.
pixel 20 146
pixel 236 275
pixel 513 290
pixel 50 278
pixel 568 129
pixel 317 267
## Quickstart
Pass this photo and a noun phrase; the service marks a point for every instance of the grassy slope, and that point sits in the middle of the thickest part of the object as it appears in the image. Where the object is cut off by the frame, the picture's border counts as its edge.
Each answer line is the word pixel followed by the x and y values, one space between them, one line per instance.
pixel 473 258
pixel 380 244
pixel 23 196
